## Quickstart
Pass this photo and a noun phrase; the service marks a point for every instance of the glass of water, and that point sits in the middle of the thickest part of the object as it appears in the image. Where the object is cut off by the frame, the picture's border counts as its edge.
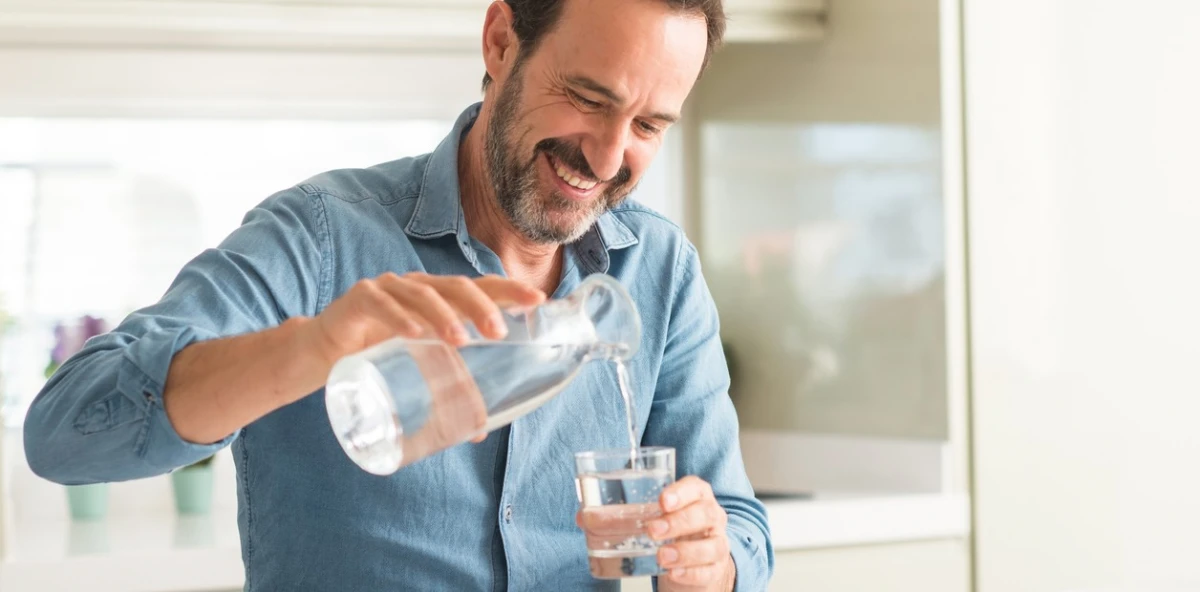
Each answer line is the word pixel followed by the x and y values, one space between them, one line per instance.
pixel 618 495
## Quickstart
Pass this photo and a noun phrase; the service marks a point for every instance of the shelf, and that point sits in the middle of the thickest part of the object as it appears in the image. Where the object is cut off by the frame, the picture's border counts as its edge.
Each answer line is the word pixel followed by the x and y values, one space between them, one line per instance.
pixel 872 519
pixel 152 553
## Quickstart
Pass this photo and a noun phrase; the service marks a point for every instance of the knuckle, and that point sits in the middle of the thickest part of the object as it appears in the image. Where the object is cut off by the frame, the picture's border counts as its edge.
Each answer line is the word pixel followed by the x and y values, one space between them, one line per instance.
pixel 677 523
pixel 425 291
pixel 695 575
pixel 368 289
pixel 716 515
pixel 699 554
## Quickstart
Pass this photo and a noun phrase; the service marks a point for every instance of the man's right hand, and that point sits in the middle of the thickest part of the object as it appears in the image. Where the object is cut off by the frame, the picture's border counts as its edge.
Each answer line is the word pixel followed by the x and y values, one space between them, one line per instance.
pixel 415 305
pixel 216 387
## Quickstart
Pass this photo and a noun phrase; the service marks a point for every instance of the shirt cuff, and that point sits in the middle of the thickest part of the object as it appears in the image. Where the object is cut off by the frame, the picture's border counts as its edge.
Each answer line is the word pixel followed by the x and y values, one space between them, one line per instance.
pixel 750 560
pixel 142 378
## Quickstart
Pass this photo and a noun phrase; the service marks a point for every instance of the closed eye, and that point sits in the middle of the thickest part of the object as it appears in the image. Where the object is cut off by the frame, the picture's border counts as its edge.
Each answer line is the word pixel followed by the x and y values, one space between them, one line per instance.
pixel 585 102
pixel 649 128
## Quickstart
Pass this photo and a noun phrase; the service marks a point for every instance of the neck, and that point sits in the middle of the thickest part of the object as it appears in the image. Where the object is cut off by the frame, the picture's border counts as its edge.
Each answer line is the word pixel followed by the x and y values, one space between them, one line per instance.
pixel 534 263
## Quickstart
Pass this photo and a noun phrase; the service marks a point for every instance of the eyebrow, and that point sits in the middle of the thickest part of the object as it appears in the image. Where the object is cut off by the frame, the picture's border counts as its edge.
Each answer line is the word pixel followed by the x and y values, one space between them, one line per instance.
pixel 611 95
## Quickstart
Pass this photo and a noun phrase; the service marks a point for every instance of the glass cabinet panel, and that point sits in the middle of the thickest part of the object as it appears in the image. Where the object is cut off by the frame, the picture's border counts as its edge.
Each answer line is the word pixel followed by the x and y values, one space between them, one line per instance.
pixel 823 245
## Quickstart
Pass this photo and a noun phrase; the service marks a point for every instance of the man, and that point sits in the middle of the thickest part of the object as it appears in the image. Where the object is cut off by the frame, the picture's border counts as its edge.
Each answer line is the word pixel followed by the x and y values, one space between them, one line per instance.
pixel 522 200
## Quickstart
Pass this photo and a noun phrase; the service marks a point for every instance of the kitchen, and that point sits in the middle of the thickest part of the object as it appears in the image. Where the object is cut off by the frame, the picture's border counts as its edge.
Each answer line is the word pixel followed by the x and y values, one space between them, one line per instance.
pixel 958 345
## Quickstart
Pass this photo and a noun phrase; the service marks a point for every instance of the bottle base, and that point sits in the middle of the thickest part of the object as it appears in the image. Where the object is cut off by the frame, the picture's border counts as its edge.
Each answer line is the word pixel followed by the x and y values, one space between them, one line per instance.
pixel 363 417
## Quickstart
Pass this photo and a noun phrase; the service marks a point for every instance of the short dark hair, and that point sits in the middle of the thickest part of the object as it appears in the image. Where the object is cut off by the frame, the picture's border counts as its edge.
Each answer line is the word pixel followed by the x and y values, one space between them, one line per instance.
pixel 533 19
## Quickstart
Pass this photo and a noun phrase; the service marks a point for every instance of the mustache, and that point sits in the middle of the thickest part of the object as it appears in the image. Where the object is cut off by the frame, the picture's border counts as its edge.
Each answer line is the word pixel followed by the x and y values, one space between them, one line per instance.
pixel 572 156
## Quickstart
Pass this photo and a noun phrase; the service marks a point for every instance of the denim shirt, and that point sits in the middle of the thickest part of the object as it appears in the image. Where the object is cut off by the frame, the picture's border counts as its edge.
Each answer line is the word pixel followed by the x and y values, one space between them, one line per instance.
pixel 499 515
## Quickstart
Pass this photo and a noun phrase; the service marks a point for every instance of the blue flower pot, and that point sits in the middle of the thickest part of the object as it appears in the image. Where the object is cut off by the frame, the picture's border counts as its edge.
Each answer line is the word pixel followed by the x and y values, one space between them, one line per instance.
pixel 88 502
pixel 193 488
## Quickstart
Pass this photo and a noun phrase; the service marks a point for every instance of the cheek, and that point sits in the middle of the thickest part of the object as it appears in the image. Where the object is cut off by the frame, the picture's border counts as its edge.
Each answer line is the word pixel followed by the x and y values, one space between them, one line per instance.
pixel 559 120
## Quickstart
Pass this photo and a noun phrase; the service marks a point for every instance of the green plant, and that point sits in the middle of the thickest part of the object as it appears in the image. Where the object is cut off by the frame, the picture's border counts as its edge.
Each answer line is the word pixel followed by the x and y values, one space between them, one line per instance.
pixel 6 320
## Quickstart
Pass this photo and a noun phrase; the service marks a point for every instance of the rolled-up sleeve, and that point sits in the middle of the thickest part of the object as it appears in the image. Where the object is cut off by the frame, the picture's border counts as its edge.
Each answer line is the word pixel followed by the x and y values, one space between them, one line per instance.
pixel 692 411
pixel 100 417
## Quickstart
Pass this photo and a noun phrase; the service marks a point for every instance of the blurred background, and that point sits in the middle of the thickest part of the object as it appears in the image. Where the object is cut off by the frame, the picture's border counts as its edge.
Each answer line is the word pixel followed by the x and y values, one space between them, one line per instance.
pixel 953 244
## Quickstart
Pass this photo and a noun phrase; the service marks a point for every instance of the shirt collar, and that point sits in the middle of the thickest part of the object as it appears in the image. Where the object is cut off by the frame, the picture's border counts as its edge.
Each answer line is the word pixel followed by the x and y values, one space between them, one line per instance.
pixel 439 204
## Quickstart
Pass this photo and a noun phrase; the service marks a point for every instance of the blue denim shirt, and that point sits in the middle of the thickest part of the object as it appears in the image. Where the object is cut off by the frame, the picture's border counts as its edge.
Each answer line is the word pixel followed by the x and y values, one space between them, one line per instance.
pixel 499 515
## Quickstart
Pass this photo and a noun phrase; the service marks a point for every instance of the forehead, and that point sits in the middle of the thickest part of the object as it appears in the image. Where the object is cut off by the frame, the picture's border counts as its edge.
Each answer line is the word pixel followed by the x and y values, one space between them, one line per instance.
pixel 637 45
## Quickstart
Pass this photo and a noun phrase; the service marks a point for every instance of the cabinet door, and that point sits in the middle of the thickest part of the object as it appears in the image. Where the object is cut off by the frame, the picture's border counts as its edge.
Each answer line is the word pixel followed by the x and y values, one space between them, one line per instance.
pixel 926 566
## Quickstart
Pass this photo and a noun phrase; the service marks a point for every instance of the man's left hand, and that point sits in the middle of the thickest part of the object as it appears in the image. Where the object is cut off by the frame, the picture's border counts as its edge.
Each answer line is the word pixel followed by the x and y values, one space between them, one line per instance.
pixel 699 558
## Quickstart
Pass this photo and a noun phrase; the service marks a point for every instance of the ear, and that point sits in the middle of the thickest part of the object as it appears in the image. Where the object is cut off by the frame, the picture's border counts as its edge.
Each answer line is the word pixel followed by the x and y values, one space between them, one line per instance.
pixel 500 44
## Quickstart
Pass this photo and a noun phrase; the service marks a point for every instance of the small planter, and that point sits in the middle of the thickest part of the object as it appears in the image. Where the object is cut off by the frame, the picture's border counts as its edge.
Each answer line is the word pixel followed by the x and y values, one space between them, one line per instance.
pixel 193 487
pixel 88 502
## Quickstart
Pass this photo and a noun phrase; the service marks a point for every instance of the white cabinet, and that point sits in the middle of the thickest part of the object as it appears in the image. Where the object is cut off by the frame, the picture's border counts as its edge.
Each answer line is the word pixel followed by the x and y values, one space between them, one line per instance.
pixel 828 213
pixel 380 25
pixel 926 566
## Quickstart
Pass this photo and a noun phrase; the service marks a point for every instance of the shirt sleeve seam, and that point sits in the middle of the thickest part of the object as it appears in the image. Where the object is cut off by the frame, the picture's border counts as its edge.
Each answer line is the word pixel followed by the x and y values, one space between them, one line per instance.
pixel 325 281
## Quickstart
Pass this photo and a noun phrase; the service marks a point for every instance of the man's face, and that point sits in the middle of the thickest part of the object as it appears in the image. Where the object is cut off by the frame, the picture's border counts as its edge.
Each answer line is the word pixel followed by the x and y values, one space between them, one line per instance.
pixel 576 123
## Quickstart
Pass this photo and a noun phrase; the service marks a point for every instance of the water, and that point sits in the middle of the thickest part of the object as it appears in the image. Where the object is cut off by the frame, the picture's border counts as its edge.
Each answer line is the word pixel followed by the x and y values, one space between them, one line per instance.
pixel 630 415
pixel 615 508
pixel 403 400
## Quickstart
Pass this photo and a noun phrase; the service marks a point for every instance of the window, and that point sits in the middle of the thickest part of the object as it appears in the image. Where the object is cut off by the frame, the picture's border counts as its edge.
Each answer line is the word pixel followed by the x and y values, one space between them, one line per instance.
pixel 100 214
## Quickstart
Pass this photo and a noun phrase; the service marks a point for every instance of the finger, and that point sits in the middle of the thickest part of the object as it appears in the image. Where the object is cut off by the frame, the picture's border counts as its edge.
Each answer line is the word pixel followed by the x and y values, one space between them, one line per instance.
pixel 684 492
pixel 473 303
pixel 424 301
pixel 508 292
pixel 385 309
pixel 696 575
pixel 699 518
pixel 697 552
pixel 616 519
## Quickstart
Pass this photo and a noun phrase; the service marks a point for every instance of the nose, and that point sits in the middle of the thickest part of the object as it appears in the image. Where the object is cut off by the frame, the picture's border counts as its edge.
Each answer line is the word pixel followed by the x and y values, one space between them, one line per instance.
pixel 605 151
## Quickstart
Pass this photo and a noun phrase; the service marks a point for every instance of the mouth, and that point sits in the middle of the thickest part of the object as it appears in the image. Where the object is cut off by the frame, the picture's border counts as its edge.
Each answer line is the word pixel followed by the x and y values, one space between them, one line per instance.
pixel 571 183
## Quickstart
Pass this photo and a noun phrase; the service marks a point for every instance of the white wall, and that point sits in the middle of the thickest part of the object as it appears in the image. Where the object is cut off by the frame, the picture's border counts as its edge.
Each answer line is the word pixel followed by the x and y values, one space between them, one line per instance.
pixel 156 82
pixel 1082 127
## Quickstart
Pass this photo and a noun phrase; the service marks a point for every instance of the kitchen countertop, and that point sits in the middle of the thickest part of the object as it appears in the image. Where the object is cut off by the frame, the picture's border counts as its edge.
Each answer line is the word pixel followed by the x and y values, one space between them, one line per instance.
pixel 166 553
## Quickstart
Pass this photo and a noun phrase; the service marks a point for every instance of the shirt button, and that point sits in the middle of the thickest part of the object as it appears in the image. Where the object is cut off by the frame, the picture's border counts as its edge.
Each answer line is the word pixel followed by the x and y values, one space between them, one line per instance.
pixel 508 513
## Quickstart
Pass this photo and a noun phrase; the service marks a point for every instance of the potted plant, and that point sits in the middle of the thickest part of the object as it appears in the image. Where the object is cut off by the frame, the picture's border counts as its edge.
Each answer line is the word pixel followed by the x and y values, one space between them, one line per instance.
pixel 193 487
pixel 86 502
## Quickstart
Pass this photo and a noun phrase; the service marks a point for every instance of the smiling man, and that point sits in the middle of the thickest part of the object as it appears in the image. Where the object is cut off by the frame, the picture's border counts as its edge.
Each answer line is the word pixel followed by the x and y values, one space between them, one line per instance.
pixel 524 198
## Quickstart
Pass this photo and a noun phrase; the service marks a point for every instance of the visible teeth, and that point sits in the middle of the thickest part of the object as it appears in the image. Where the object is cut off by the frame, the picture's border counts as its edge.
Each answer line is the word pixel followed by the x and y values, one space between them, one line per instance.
pixel 574 181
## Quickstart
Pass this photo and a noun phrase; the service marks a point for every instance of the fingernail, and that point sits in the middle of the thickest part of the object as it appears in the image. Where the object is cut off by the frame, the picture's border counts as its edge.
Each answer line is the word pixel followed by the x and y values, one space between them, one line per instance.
pixel 669 501
pixel 669 555
pixel 658 527
pixel 677 572
pixel 457 333
pixel 498 326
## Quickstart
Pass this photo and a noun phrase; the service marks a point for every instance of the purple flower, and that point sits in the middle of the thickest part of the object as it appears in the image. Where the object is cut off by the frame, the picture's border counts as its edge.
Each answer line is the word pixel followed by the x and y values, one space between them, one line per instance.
pixel 60 353
pixel 69 340
pixel 92 327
